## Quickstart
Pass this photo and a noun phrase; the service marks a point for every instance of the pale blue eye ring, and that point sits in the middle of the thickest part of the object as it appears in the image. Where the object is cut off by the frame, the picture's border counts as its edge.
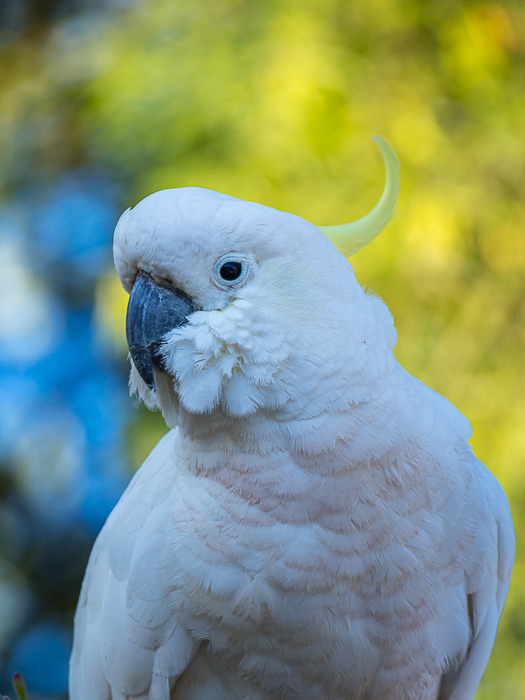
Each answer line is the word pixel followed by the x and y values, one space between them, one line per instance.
pixel 233 270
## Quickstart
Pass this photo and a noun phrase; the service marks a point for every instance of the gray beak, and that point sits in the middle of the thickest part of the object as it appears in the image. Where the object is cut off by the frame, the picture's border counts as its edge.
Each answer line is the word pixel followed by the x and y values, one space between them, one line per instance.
pixel 152 312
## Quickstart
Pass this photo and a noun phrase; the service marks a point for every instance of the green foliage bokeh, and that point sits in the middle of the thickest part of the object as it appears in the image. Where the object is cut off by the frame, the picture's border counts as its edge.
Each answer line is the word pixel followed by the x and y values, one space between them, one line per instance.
pixel 276 102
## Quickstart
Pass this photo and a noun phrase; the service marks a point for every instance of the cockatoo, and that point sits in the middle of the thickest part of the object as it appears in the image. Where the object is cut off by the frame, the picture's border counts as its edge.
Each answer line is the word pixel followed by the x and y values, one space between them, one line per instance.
pixel 315 525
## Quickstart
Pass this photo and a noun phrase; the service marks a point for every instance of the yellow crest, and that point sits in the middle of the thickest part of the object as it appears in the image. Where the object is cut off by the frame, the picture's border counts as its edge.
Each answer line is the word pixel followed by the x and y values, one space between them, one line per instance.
pixel 349 238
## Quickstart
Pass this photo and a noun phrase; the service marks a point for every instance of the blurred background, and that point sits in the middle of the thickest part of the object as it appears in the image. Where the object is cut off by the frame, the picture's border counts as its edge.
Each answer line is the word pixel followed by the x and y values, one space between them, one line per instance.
pixel 104 101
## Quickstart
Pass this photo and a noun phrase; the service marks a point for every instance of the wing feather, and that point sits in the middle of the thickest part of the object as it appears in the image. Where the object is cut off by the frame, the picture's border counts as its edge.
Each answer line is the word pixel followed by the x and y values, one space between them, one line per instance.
pixel 488 596
pixel 128 642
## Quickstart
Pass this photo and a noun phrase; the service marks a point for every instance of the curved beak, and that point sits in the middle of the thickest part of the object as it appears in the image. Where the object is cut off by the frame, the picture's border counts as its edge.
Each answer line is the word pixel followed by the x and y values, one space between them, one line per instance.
pixel 152 312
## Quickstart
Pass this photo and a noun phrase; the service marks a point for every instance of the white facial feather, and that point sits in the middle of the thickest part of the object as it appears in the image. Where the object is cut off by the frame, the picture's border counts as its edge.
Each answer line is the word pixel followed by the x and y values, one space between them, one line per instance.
pixel 273 342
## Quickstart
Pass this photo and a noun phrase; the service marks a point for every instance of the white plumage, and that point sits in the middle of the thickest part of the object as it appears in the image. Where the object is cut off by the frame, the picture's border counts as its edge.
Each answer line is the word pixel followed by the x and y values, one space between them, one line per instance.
pixel 315 525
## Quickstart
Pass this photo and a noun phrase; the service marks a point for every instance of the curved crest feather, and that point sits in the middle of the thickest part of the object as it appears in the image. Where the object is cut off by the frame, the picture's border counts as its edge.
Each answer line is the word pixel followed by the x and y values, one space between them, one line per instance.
pixel 349 238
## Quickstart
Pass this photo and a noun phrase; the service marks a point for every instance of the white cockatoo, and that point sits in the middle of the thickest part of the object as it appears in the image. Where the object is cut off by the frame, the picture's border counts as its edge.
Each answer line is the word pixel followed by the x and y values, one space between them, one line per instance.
pixel 315 526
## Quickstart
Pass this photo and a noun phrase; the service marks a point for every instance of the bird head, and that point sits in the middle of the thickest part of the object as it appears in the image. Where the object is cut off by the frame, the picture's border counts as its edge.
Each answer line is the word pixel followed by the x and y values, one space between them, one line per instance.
pixel 240 309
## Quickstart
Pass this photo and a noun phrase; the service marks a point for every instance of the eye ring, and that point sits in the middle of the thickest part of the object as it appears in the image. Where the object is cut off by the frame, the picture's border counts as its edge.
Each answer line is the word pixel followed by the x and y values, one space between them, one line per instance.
pixel 232 270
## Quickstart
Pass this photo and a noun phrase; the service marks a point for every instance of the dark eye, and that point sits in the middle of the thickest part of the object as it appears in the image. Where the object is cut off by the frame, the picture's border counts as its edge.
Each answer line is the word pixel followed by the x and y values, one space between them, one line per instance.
pixel 231 271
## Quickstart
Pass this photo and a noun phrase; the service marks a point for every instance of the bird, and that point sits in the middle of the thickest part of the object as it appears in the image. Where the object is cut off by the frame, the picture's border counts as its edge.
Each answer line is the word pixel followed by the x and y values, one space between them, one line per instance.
pixel 315 524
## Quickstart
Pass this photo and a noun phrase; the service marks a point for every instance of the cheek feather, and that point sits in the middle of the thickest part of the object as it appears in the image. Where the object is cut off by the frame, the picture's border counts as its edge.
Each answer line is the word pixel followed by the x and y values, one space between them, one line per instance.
pixel 138 387
pixel 225 357
pixel 241 396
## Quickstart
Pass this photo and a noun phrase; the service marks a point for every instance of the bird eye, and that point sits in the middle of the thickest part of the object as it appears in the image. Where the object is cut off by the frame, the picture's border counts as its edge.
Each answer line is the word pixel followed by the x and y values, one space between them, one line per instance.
pixel 231 271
